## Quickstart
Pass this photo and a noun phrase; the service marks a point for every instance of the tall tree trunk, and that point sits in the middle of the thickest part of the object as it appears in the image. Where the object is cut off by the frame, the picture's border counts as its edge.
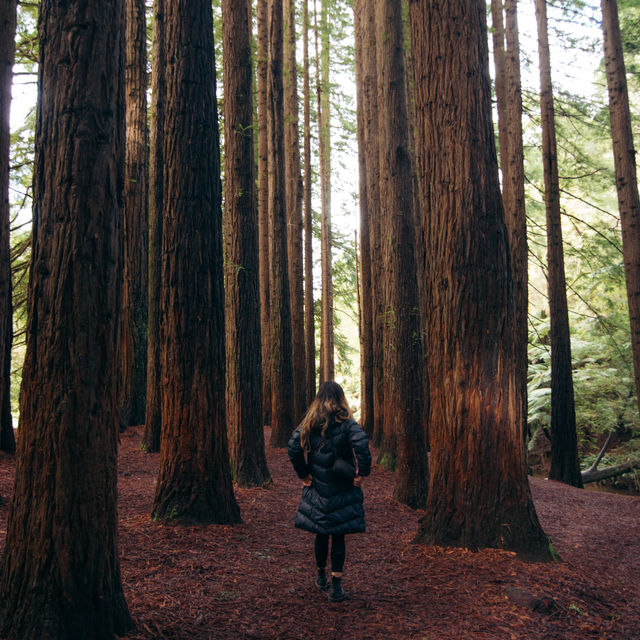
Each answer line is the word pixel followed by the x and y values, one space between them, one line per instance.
pixel 625 167
pixel 262 65
pixel 366 317
pixel 484 501
pixel 564 442
pixel 60 573
pixel 372 166
pixel 506 49
pixel 293 186
pixel 133 336
pixel 242 281
pixel 153 412
pixel 327 358
pixel 7 53
pixel 194 480
pixel 403 442
pixel 309 316
pixel 419 247
pixel 281 365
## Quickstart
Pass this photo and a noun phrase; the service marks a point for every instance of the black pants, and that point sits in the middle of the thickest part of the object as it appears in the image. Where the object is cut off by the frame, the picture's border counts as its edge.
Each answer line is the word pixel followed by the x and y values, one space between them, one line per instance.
pixel 338 551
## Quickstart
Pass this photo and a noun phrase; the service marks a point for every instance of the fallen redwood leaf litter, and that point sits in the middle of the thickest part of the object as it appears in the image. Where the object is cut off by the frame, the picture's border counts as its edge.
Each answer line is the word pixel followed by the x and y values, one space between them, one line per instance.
pixel 255 580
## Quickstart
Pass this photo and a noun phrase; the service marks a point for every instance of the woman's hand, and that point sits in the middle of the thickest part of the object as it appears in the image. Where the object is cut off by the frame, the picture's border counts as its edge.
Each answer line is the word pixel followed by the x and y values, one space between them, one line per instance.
pixel 307 481
pixel 357 481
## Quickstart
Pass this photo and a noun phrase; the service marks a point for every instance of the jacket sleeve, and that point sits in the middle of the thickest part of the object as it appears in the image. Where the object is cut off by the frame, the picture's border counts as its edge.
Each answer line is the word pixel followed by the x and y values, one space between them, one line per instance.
pixel 296 455
pixel 360 444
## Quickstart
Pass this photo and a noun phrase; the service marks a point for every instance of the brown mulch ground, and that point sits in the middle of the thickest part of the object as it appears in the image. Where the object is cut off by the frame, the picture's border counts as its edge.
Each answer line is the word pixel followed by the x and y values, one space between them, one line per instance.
pixel 255 580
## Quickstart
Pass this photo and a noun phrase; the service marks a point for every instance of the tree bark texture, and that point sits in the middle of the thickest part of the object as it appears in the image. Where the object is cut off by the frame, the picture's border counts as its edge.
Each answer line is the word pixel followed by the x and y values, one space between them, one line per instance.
pixel 478 494
pixel 327 358
pixel 153 412
pixel 372 166
pixel 419 248
pixel 7 54
pixel 60 573
pixel 280 310
pixel 403 443
pixel 293 187
pixel 624 156
pixel 133 334
pixel 366 317
pixel 565 466
pixel 506 47
pixel 262 65
pixel 242 280
pixel 309 316
pixel 194 480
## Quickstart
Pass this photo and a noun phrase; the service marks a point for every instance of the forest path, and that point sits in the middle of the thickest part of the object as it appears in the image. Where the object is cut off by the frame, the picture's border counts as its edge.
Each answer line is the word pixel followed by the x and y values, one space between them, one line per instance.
pixel 255 580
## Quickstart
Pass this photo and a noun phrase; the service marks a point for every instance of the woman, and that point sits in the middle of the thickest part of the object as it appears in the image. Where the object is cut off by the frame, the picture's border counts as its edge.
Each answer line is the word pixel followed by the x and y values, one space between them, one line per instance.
pixel 322 452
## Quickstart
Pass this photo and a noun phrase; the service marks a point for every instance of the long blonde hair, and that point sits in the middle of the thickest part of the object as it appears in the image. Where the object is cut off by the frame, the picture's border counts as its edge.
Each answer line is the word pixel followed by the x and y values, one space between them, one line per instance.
pixel 329 403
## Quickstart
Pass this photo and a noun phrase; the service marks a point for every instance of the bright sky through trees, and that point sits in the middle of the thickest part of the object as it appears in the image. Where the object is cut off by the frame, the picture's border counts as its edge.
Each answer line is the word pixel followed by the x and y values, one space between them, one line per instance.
pixel 576 55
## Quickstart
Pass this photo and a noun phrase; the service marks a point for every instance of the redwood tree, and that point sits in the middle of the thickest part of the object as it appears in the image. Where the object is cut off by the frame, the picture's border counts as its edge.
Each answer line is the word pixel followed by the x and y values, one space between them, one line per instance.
pixel 262 64
pixel 60 573
pixel 133 346
pixel 506 49
pixel 366 319
pixel 372 167
pixel 194 482
pixel 280 310
pixel 478 495
pixel 244 365
pixel 7 52
pixel 309 316
pixel 403 443
pixel 625 167
pixel 327 360
pixel 293 188
pixel 153 411
pixel 564 442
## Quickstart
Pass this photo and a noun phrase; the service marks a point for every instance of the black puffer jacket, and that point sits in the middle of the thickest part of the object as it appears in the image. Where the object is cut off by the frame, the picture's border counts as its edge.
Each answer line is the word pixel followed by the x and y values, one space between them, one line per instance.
pixel 331 504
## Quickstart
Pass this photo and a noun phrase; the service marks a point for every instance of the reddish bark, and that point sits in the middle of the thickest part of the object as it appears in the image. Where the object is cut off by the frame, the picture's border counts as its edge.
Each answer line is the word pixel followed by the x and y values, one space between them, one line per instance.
pixel 280 310
pixel 263 205
pixel 293 188
pixel 153 411
pixel 60 573
pixel 624 156
pixel 309 316
pixel 372 165
pixel 403 443
pixel 366 305
pixel 7 50
pixel 327 355
pixel 194 481
pixel 133 338
pixel 509 98
pixel 242 317
pixel 564 440
pixel 478 495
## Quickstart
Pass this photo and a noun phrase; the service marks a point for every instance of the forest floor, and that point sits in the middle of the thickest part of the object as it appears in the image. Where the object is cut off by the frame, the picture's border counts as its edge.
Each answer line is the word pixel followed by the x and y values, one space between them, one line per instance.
pixel 255 581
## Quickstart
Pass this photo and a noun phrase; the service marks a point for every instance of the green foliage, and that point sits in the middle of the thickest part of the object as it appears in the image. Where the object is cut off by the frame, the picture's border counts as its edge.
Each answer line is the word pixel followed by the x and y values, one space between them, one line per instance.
pixel 598 312
pixel 387 461
pixel 602 376
pixel 629 15
pixel 555 556
pixel 27 43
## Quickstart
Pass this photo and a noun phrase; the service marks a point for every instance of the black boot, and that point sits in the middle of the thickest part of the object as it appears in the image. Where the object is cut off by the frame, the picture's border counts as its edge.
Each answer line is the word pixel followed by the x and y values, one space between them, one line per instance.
pixel 336 594
pixel 321 581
